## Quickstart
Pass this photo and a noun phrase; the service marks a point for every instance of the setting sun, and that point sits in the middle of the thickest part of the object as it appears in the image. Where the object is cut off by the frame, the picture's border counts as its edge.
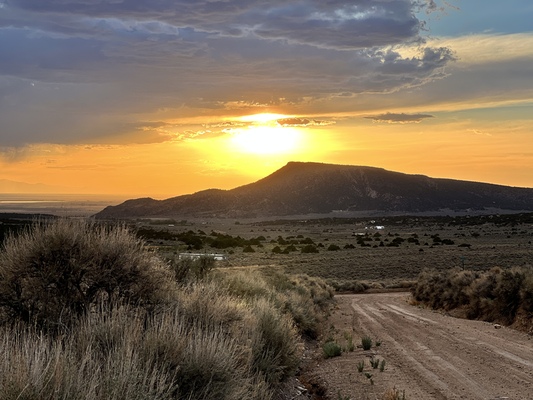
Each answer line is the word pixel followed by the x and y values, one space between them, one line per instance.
pixel 166 103
pixel 264 135
pixel 266 140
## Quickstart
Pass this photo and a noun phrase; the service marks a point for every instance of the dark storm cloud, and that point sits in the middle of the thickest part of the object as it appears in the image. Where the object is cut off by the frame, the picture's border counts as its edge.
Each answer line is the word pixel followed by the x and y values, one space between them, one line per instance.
pixel 350 25
pixel 399 118
pixel 337 24
pixel 431 59
pixel 87 69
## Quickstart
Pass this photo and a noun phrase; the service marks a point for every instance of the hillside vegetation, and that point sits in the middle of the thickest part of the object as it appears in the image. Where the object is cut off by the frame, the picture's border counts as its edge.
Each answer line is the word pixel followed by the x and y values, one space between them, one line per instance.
pixel 86 312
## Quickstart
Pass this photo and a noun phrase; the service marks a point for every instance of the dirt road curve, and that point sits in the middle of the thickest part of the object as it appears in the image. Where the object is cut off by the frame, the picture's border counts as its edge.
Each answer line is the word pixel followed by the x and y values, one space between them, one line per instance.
pixel 430 355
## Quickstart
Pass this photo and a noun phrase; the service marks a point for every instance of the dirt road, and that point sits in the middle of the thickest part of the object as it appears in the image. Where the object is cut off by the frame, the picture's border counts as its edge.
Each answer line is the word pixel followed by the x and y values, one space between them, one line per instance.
pixel 427 354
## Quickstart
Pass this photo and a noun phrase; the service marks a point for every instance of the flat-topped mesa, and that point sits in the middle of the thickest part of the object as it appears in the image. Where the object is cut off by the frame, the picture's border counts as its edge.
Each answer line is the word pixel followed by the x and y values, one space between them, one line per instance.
pixel 313 188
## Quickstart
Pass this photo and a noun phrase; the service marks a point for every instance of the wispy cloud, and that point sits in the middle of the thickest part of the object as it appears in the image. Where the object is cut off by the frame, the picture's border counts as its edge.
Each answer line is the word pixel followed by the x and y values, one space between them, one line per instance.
pixel 303 122
pixel 401 118
pixel 476 49
pixel 479 132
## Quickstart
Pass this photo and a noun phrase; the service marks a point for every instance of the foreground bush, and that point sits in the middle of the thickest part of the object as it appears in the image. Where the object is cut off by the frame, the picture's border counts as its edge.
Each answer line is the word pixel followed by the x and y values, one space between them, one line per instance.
pixel 208 346
pixel 129 355
pixel 495 295
pixel 188 269
pixel 89 314
pixel 275 348
pixel 331 349
pixel 54 273
pixel 304 298
pixel 446 289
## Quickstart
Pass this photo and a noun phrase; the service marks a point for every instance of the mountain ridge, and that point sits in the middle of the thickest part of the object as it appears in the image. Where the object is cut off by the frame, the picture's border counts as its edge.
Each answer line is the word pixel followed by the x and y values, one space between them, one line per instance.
pixel 9 186
pixel 302 188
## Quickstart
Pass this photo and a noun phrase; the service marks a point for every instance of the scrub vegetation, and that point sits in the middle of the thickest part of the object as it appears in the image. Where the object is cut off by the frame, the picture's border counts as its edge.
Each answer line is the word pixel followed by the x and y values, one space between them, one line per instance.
pixel 105 311
pixel 498 295
pixel 87 311
pixel 355 254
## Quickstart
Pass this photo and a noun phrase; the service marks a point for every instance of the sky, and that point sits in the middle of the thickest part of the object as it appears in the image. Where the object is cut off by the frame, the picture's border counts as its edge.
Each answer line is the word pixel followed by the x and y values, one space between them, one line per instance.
pixel 161 98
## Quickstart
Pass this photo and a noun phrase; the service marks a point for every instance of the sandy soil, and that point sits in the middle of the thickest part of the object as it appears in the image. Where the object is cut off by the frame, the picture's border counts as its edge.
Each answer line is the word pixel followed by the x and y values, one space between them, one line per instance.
pixel 428 354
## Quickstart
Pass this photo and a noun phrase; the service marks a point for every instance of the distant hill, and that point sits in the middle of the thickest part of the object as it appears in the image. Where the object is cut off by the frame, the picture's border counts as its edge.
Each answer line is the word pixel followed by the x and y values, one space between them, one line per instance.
pixel 7 186
pixel 314 188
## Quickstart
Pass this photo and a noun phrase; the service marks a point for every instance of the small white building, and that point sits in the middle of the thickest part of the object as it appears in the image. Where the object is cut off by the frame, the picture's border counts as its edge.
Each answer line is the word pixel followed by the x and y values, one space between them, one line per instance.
pixel 196 256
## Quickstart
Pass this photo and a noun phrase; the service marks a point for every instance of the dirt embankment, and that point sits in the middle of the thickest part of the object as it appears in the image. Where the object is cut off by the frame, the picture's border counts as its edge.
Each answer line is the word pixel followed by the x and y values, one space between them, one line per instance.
pixel 428 354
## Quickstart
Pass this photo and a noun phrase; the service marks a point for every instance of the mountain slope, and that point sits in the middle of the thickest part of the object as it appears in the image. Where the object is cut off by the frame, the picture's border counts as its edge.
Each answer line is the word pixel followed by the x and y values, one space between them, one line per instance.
pixel 309 188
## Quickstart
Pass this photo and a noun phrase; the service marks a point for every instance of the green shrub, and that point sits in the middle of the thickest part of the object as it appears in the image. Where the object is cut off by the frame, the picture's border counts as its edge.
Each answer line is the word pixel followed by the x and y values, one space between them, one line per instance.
pixel 302 310
pixel 494 295
pixel 307 240
pixel 303 298
pixel 248 249
pixel 275 348
pixel 366 342
pixel 353 286
pixel 361 366
pixel 507 296
pixel 54 273
pixel 244 284
pixel 447 290
pixel 181 268
pixel 309 249
pixel 331 349
pixel 276 250
pixel 289 249
pixel 188 269
pixel 211 306
pixel 306 299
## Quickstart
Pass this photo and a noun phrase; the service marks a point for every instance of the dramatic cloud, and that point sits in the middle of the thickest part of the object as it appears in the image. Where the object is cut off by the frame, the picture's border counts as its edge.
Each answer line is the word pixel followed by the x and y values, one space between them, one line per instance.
pixel 83 71
pixel 399 118
pixel 346 24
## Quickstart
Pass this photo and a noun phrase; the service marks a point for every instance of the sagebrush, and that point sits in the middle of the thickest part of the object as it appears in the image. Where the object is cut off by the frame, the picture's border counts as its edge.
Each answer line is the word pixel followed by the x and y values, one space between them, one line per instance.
pixel 88 312
pixel 494 295
pixel 56 272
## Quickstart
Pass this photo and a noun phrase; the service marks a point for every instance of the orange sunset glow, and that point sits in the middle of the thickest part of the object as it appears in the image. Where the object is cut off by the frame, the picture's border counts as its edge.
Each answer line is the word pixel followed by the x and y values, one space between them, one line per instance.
pixel 158 103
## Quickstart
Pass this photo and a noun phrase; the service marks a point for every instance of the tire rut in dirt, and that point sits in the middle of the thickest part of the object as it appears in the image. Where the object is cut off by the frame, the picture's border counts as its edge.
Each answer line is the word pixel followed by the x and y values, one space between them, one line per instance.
pixel 439 359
